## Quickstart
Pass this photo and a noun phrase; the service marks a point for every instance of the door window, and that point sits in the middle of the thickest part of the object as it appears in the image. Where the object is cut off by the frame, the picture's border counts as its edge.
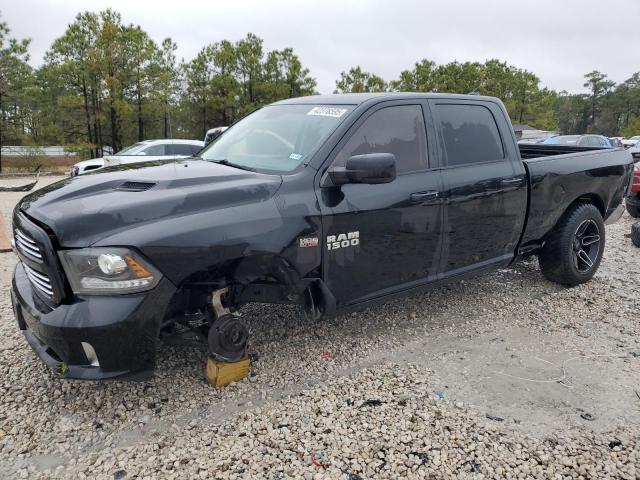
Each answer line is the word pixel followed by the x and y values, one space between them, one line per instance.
pixel 469 134
pixel 398 130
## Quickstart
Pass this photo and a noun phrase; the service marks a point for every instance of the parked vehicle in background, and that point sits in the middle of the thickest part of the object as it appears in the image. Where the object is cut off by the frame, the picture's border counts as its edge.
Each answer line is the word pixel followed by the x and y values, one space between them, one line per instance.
pixel 631 141
pixel 529 141
pixel 150 150
pixel 328 202
pixel 579 141
pixel 146 151
pixel 635 152
pixel 212 134
pixel 633 199
pixel 86 166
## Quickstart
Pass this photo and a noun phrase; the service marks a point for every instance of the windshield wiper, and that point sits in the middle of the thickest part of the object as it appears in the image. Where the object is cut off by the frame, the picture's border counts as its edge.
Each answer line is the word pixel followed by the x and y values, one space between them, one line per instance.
pixel 224 161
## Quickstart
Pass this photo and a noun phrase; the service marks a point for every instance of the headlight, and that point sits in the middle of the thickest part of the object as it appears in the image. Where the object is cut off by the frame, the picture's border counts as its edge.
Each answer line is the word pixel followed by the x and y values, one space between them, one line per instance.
pixel 108 271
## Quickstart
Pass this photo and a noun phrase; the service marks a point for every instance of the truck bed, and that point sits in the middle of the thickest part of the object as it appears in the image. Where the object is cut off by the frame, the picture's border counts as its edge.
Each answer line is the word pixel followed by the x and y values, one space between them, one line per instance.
pixel 537 150
pixel 560 175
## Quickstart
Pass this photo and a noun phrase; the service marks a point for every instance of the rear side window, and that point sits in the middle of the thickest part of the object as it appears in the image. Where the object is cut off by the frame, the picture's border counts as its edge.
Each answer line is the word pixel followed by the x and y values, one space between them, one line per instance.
pixel 592 141
pixel 180 149
pixel 155 150
pixel 469 134
pixel 398 130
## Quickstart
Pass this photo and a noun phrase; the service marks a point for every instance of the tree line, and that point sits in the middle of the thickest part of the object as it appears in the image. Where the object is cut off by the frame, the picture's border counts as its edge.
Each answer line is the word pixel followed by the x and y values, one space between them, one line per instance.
pixel 105 83
pixel 607 108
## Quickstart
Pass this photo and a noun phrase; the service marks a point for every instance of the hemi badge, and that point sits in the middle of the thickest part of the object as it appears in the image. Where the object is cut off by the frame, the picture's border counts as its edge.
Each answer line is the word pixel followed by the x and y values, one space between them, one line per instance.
pixel 307 242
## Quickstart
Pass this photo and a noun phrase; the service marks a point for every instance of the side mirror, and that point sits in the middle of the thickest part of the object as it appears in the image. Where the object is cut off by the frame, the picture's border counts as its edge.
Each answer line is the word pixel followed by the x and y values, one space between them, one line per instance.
pixel 370 168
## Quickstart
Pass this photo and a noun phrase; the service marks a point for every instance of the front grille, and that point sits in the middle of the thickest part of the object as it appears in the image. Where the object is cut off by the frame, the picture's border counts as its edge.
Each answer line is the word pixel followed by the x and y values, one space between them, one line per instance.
pixel 27 245
pixel 38 256
pixel 39 281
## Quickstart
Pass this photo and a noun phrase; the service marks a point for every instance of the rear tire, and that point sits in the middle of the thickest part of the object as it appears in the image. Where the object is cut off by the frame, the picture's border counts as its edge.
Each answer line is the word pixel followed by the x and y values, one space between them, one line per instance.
pixel 633 211
pixel 635 234
pixel 573 251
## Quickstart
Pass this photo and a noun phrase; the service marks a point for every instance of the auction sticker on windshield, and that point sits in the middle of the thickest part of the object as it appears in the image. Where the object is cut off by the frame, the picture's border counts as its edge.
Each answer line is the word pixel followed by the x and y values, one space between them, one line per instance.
pixel 327 111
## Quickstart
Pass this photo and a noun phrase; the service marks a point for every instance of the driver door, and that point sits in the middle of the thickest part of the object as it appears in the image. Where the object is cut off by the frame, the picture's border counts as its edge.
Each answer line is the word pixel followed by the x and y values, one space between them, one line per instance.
pixel 385 237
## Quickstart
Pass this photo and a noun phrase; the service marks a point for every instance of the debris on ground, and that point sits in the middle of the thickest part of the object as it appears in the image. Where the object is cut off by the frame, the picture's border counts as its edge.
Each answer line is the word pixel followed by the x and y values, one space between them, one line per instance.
pixel 494 418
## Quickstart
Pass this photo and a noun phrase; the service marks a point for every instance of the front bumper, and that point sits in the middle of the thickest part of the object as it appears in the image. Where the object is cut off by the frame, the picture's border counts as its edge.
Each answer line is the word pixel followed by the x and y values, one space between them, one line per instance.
pixel 122 330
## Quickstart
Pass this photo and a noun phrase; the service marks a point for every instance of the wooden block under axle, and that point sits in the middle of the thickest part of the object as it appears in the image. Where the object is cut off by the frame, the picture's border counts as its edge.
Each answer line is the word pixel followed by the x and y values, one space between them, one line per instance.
pixel 220 374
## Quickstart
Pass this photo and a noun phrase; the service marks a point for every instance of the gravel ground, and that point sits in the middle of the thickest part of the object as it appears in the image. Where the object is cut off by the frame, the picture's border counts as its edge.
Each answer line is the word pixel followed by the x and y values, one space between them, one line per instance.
pixel 504 376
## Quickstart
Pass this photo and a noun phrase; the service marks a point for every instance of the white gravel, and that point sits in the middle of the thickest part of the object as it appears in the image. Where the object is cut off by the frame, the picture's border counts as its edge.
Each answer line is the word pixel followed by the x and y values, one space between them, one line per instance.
pixel 459 382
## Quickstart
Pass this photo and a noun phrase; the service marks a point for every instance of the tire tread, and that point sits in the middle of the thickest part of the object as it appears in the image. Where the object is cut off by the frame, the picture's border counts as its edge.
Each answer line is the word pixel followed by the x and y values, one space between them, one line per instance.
pixel 633 211
pixel 555 258
pixel 635 234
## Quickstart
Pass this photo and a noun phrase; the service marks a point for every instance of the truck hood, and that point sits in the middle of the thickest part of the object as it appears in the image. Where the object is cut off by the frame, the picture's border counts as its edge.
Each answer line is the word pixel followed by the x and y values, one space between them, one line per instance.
pixel 82 210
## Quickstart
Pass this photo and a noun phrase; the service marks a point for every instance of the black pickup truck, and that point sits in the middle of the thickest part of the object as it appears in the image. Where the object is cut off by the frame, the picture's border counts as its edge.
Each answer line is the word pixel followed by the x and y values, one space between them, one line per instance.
pixel 330 202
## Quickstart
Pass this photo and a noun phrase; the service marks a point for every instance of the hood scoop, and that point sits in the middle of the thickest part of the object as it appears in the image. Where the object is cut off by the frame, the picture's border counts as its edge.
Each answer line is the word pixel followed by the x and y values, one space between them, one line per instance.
pixel 135 186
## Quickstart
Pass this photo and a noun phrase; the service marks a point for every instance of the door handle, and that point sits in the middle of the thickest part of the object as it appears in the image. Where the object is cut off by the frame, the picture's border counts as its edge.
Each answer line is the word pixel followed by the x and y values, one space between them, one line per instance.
pixel 511 181
pixel 424 196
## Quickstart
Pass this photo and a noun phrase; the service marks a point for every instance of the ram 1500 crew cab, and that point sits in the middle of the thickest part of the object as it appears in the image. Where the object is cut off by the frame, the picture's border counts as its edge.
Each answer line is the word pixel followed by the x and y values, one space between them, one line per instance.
pixel 331 202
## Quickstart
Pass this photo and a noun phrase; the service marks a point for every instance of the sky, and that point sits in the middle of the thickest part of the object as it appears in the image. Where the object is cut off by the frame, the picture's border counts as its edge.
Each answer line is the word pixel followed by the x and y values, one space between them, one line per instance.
pixel 558 40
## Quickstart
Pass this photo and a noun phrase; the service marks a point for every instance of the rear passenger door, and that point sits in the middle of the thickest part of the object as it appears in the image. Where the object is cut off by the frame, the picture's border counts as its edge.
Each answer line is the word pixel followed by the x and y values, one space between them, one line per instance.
pixel 484 191
pixel 382 238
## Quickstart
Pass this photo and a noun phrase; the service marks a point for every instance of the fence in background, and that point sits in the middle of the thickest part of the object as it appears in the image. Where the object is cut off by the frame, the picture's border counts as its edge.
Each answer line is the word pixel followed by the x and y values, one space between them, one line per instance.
pixel 20 151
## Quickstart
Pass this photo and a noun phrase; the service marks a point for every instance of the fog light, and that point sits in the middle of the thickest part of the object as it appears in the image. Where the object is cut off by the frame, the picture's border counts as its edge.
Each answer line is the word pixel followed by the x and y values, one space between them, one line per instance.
pixel 91 354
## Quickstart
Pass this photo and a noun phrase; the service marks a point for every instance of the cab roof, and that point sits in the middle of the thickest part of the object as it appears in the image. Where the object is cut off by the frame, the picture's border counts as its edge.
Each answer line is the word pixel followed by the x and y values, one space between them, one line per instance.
pixel 359 98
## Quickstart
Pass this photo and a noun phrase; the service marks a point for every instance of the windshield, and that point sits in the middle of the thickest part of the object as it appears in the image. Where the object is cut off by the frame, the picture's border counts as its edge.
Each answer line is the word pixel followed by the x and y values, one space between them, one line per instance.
pixel 131 149
pixel 563 140
pixel 276 138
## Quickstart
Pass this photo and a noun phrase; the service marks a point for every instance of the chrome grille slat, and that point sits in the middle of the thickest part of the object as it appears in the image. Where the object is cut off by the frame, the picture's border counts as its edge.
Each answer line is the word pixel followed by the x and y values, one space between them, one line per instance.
pixel 40 283
pixel 39 280
pixel 38 275
pixel 28 249
pixel 25 237
pixel 26 244
pixel 39 286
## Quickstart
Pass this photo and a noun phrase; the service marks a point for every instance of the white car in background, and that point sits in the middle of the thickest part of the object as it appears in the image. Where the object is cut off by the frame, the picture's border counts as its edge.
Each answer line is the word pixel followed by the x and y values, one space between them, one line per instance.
pixel 634 150
pixel 86 166
pixel 146 151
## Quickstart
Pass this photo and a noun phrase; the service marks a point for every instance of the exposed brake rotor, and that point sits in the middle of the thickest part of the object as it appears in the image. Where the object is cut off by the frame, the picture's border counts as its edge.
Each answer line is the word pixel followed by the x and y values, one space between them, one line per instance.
pixel 227 336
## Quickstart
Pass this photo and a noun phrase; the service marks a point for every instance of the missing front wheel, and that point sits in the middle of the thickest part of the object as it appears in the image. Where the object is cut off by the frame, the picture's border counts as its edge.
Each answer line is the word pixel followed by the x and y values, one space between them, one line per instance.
pixel 228 336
